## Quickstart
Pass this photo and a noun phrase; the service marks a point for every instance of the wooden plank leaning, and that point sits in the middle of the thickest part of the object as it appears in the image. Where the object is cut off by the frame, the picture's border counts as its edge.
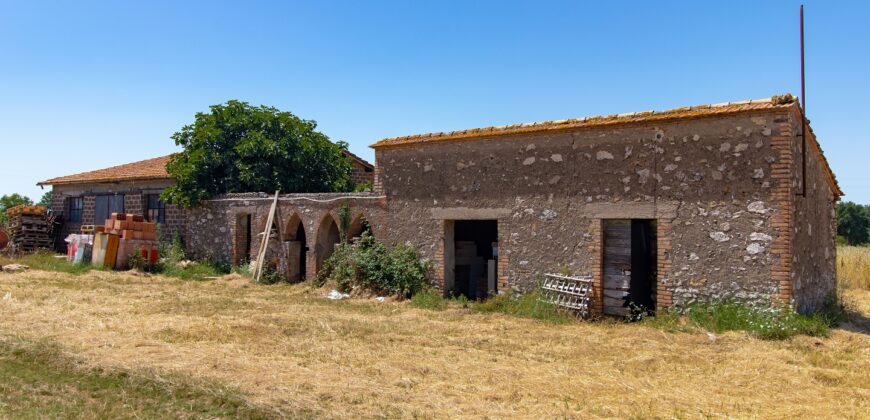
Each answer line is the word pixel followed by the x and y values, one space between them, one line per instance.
pixel 267 233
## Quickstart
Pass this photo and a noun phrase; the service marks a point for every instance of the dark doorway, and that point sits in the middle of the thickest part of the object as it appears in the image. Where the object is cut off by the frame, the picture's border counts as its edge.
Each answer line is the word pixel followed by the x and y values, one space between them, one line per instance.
pixel 303 250
pixel 249 236
pixel 296 248
pixel 242 240
pixel 475 251
pixel 629 267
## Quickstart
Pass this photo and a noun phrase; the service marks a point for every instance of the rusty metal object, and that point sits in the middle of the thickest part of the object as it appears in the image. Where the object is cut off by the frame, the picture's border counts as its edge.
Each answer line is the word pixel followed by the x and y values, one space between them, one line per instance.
pixel 4 239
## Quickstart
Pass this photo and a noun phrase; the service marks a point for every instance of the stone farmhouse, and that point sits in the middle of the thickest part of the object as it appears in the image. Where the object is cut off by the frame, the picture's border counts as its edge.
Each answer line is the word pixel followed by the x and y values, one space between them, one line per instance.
pixel 659 208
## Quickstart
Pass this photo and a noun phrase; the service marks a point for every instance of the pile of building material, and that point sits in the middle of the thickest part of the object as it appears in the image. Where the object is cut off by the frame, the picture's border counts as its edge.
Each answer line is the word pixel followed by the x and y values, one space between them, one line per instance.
pixel 122 236
pixel 30 228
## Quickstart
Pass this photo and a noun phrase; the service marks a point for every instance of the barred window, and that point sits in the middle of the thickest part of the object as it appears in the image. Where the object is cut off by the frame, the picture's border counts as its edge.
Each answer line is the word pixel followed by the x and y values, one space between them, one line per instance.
pixel 74 212
pixel 155 208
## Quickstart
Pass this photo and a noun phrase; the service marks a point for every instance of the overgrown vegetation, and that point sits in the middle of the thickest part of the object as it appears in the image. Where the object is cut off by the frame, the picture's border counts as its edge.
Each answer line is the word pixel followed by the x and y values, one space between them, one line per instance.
pixel 369 265
pixel 526 305
pixel 172 263
pixel 39 381
pixel 775 323
pixel 48 261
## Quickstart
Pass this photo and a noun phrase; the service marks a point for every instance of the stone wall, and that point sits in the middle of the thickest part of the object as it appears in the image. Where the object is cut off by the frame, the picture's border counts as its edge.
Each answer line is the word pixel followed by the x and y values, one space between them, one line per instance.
pixel 707 181
pixel 216 230
pixel 813 257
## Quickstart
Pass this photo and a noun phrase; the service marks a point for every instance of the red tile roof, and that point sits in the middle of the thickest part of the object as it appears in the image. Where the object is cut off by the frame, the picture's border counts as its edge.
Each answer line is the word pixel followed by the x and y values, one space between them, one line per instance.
pixel 144 169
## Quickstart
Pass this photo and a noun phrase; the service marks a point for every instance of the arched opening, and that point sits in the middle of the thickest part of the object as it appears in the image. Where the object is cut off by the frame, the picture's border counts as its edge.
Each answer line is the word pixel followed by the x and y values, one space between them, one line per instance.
pixel 327 237
pixel 357 227
pixel 296 249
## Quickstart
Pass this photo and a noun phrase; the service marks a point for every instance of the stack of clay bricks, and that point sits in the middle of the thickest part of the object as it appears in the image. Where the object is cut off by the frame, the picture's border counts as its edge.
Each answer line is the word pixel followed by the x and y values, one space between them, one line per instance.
pixel 129 226
pixel 120 237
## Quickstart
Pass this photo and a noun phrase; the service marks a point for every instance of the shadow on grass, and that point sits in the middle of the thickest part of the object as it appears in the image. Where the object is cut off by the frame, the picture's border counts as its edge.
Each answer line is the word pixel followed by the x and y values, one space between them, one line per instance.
pixel 37 380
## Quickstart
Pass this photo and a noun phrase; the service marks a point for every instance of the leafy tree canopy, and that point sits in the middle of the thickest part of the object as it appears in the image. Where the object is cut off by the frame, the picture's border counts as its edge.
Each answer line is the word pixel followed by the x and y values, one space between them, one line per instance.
pixel 242 148
pixel 853 223
pixel 45 200
pixel 9 201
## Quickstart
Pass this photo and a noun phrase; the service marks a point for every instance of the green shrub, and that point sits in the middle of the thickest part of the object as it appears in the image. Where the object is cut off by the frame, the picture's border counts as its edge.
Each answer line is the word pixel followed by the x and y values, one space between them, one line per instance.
pixel 774 323
pixel 526 305
pixel 429 298
pixel 370 265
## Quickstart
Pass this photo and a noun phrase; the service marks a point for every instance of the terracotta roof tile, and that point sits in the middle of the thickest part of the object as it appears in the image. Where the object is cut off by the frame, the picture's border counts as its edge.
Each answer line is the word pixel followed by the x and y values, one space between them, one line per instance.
pixel 144 169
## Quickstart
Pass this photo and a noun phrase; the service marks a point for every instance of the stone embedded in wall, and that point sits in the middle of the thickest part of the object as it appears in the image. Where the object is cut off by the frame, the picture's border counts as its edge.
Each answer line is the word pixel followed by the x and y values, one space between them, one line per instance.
pixel 757 207
pixel 754 248
pixel 719 237
pixel 529 160
pixel 643 176
pixel 604 155
pixel 548 214
pixel 758 236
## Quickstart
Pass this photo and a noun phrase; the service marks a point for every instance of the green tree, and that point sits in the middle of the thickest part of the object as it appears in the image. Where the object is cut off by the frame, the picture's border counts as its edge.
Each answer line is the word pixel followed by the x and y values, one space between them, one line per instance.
pixel 853 222
pixel 45 200
pixel 237 147
pixel 9 201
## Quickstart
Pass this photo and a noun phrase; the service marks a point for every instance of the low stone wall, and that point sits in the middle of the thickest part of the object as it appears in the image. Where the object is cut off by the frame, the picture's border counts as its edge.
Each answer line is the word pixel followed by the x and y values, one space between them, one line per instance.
pixel 218 229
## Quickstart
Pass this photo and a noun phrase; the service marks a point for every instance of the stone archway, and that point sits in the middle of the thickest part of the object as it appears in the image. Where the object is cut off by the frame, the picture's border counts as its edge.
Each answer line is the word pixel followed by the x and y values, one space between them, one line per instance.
pixel 295 249
pixel 327 238
pixel 357 227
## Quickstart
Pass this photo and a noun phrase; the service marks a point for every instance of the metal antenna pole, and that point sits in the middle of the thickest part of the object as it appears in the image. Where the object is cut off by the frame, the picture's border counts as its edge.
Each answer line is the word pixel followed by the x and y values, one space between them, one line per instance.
pixel 804 130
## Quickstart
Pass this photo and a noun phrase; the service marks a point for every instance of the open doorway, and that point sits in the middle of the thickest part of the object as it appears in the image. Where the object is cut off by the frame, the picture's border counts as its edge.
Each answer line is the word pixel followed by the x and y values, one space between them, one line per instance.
pixel 296 249
pixel 471 251
pixel 629 277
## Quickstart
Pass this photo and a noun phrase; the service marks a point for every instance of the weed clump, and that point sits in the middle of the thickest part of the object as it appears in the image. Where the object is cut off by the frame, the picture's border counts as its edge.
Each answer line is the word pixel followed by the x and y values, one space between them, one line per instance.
pixel 772 323
pixel 429 298
pixel 369 265
pixel 528 305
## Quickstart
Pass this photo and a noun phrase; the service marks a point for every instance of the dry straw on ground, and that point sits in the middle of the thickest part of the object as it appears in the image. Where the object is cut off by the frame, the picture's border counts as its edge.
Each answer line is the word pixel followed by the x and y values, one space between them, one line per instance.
pixel 291 349
pixel 853 266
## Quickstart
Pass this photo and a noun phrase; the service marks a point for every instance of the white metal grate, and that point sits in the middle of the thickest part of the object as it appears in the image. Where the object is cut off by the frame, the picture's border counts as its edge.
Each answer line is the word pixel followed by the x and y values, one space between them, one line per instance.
pixel 570 292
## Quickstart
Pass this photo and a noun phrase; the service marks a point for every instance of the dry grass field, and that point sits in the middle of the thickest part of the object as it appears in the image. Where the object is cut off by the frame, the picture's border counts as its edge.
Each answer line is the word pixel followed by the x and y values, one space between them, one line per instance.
pixel 176 348
pixel 853 266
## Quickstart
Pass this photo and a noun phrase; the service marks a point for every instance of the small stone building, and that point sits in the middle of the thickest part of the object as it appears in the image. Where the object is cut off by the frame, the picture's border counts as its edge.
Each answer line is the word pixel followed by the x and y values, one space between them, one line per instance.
pixel 659 208
pixel 90 197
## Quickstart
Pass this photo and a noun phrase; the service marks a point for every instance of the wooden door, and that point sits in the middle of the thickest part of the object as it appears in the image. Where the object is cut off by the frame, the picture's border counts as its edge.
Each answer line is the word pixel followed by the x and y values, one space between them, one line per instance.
pixel 616 266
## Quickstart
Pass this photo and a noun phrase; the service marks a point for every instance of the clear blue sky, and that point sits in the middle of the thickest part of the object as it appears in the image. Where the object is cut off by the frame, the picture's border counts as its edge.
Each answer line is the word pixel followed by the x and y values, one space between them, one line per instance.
pixel 85 85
